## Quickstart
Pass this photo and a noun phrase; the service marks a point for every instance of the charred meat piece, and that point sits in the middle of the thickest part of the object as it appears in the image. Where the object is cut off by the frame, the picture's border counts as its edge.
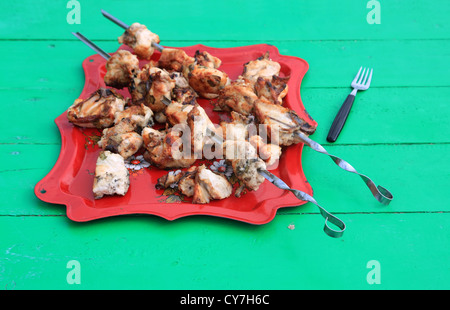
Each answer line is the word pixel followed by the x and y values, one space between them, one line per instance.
pixel 172 59
pixel 152 87
pixel 238 96
pixel 177 113
pixel 273 90
pixel 240 127
pixel 164 149
pixel 140 39
pixel 139 114
pixel 207 60
pixel 186 184
pixel 245 162
pixel 200 127
pixel 120 69
pixel 111 175
pixel 261 67
pixel 282 123
pixel 97 111
pixel 207 82
pixel 121 139
pixel 209 185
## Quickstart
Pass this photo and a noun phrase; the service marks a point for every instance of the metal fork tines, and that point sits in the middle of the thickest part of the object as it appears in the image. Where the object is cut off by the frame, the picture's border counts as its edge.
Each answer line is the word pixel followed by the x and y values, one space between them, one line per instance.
pixel 360 82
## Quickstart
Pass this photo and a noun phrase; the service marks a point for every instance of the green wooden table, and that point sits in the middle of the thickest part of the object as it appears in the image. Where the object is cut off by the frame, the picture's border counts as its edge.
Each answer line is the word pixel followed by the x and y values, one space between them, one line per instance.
pixel 397 133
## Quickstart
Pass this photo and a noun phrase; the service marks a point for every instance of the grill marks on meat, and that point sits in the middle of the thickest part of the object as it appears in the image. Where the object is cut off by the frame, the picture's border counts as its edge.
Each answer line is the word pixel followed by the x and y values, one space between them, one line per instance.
pixel 281 121
pixel 238 96
pixel 200 183
pixel 97 111
pixel 140 39
pixel 153 87
pixel 120 69
pixel 172 59
pixel 164 149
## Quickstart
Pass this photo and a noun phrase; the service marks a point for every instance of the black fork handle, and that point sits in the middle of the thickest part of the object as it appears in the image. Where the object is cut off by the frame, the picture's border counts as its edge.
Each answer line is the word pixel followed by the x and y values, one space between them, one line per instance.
pixel 340 119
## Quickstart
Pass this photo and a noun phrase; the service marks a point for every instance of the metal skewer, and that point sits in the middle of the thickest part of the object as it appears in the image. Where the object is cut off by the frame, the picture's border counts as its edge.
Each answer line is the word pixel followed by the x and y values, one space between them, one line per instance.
pixel 89 43
pixel 379 192
pixel 299 194
pixel 125 26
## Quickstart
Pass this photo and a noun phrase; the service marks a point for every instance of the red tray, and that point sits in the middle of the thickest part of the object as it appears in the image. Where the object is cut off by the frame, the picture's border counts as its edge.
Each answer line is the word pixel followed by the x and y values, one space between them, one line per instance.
pixel 70 181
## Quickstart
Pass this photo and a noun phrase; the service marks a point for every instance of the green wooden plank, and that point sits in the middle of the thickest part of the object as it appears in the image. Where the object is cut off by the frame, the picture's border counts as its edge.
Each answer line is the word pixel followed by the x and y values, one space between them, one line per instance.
pixel 231 20
pixel 417 175
pixel 148 253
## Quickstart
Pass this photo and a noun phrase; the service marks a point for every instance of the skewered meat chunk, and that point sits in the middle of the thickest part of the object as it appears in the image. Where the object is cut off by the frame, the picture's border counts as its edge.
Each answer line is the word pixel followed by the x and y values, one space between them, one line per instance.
pixel 207 82
pixel 121 139
pixel 187 182
pixel 172 59
pixel 120 69
pixel 177 112
pixel 200 127
pixel 262 67
pixel 153 87
pixel 282 122
pixel 140 39
pixel 111 175
pixel 207 60
pixel 98 110
pixel 209 185
pixel 238 96
pixel 273 90
pixel 268 152
pixel 165 148
pixel 140 115
pixel 245 162
pixel 241 127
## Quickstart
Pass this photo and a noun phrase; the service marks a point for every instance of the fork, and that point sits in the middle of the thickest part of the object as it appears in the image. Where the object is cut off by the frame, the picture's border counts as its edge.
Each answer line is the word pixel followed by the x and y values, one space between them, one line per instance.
pixel 360 82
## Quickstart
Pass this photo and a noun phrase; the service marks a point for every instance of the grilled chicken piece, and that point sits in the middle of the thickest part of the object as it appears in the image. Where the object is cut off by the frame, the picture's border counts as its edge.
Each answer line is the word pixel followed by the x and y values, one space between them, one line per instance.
pixel 200 127
pixel 140 39
pixel 165 148
pixel 153 87
pixel 238 96
pixel 97 111
pixel 172 59
pixel 111 175
pixel 177 112
pixel 240 127
pixel 187 182
pixel 169 180
pixel 209 185
pixel 282 123
pixel 207 60
pixel 262 67
pixel 139 114
pixel 268 152
pixel 207 82
pixel 121 139
pixel 120 69
pixel 245 162
pixel 274 89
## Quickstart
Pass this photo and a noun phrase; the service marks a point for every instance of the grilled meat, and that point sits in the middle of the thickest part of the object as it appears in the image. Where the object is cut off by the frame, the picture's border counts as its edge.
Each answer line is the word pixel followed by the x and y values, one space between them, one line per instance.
pixel 121 139
pixel 140 39
pixel 262 67
pixel 245 162
pixel 98 110
pixel 209 185
pixel 164 149
pixel 153 87
pixel 238 96
pixel 120 69
pixel 172 59
pixel 282 123
pixel 111 175
pixel 274 89
pixel 207 82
